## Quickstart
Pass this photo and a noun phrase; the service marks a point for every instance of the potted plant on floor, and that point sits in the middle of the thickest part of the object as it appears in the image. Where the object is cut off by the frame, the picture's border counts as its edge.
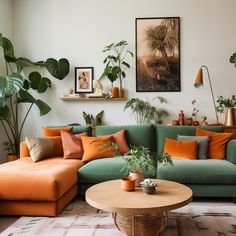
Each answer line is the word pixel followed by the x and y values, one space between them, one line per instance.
pixel 16 87
pixel 142 160
pixel 116 64
pixel 228 106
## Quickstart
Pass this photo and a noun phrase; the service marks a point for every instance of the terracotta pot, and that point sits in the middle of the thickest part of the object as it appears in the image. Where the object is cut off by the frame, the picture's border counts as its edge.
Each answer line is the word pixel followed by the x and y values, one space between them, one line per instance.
pixel 11 157
pixel 128 184
pixel 195 123
pixel 229 116
pixel 189 121
pixel 138 176
pixel 115 92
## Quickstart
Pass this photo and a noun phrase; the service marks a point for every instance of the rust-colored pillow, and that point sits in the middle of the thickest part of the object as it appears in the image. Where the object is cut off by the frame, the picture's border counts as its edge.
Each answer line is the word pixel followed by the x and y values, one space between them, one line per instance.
pixel 72 145
pixel 42 148
pixel 99 147
pixel 50 132
pixel 186 150
pixel 217 142
pixel 120 140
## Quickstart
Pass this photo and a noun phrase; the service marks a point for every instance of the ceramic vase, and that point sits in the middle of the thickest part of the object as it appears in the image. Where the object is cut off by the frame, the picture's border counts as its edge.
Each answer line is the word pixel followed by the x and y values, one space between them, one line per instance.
pixel 138 176
pixel 115 92
pixel 149 190
pixel 128 184
pixel 229 117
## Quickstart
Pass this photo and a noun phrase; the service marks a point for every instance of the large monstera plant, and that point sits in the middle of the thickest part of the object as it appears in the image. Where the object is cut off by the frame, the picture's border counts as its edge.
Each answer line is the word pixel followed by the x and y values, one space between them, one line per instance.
pixel 16 88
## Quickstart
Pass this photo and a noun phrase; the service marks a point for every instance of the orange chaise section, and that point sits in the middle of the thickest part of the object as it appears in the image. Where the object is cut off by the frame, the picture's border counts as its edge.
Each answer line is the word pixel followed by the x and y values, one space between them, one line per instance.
pixel 37 188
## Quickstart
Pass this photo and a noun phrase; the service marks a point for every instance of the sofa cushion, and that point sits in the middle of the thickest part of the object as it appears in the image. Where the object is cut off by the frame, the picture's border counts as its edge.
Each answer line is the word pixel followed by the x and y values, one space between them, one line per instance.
pixel 104 169
pixel 217 142
pixel 181 150
pixel 51 132
pixel 202 144
pixel 135 134
pixel 99 147
pixel 163 132
pixel 72 145
pixel 46 180
pixel 42 148
pixel 199 172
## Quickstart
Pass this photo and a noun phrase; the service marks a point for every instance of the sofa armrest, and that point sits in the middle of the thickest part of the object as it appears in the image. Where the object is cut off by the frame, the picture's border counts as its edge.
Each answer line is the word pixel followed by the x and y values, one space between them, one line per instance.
pixel 24 151
pixel 231 151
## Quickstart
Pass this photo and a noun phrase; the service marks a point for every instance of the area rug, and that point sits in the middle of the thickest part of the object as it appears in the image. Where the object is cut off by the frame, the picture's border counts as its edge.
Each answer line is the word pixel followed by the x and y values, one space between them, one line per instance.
pixel 80 219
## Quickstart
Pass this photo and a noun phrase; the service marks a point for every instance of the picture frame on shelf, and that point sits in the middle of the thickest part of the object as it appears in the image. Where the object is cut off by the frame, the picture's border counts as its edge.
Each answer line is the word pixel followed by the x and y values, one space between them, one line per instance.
pixel 157 54
pixel 83 79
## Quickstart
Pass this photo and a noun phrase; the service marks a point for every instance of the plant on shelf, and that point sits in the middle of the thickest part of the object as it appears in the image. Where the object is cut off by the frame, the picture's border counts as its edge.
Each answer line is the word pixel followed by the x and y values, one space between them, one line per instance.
pixel 115 62
pixel 90 120
pixel 142 160
pixel 233 59
pixel 195 110
pixel 145 113
pixel 17 88
pixel 224 103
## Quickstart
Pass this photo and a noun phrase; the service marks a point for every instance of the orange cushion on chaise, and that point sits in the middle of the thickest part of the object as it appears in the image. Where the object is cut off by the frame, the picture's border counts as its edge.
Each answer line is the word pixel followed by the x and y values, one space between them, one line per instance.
pixel 51 182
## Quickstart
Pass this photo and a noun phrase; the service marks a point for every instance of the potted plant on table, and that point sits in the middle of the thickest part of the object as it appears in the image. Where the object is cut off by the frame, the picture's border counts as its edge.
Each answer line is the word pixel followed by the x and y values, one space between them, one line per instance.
pixel 18 88
pixel 116 64
pixel 142 160
pixel 228 106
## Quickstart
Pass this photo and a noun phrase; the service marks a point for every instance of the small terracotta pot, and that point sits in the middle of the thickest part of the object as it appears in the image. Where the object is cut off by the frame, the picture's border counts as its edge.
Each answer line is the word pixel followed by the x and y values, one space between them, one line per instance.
pixel 115 92
pixel 128 184
pixel 11 157
pixel 189 121
pixel 195 123
pixel 138 176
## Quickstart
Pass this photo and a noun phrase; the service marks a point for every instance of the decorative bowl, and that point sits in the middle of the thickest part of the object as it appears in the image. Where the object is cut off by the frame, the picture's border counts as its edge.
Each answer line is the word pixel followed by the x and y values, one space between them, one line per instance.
pixel 149 190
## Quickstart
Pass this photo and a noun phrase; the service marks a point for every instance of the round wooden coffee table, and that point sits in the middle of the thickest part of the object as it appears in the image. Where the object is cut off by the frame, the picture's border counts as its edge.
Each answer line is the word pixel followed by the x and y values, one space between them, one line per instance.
pixel 137 213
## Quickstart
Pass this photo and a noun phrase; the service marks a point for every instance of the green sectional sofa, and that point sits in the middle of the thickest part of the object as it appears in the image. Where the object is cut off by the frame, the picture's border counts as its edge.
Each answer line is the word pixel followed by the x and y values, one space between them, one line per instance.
pixel 207 178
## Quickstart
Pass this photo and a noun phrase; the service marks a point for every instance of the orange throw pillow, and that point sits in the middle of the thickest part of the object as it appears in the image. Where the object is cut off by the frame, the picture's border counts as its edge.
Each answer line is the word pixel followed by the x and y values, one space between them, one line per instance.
pixel 50 132
pixel 120 140
pixel 99 147
pixel 186 150
pixel 217 142
pixel 72 145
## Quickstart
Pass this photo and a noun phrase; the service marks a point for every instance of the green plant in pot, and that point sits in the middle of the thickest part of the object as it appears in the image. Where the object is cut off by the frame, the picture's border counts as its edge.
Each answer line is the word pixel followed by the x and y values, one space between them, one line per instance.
pixel 145 113
pixel 16 87
pixel 228 106
pixel 116 64
pixel 140 160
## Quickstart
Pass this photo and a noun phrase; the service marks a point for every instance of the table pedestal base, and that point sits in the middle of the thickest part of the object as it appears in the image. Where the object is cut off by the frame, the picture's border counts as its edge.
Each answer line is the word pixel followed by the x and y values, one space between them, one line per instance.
pixel 141 225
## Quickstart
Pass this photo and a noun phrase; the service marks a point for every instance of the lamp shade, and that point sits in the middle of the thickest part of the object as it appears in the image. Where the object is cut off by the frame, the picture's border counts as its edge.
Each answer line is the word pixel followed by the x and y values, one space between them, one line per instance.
pixel 198 81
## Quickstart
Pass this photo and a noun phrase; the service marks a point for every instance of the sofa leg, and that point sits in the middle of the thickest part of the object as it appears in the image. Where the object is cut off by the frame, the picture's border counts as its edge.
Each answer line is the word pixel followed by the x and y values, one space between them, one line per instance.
pixel 234 200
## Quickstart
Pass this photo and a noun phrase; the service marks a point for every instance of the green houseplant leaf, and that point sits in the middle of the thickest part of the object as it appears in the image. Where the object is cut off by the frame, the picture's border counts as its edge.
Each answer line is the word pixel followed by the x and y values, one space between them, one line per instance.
pixel 39 83
pixel 10 85
pixel 43 107
pixel 5 113
pixel 58 69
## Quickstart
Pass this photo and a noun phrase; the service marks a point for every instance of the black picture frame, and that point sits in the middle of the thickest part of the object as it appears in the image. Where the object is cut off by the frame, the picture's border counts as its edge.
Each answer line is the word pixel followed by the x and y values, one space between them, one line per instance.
pixel 83 79
pixel 157 59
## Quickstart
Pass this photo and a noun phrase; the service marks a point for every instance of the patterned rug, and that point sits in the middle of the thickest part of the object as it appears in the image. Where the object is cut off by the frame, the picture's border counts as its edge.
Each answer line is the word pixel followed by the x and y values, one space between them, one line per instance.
pixel 80 219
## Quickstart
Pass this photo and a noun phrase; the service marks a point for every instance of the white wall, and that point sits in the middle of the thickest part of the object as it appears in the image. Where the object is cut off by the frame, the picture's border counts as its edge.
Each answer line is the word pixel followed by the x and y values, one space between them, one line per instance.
pixel 79 29
pixel 6 30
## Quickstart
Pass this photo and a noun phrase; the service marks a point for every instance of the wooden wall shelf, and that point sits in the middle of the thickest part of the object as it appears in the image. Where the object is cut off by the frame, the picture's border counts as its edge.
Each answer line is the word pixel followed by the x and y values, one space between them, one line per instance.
pixel 92 99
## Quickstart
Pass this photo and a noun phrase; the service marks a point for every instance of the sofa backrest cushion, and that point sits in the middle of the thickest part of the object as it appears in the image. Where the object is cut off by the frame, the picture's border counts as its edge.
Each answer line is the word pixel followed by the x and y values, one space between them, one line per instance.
pixel 163 132
pixel 136 134
pixel 76 129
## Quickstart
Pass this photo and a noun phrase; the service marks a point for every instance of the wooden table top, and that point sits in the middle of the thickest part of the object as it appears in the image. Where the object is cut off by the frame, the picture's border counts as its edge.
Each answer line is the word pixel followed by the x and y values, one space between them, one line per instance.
pixel 110 197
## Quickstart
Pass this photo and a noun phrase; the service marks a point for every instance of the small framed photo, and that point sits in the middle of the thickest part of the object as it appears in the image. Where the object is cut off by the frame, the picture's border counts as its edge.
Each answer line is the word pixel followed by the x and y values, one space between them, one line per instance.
pixel 83 79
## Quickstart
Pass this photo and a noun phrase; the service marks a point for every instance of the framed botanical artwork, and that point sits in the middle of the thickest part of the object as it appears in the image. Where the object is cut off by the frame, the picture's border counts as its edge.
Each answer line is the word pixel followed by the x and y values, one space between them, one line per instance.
pixel 157 54
pixel 83 79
